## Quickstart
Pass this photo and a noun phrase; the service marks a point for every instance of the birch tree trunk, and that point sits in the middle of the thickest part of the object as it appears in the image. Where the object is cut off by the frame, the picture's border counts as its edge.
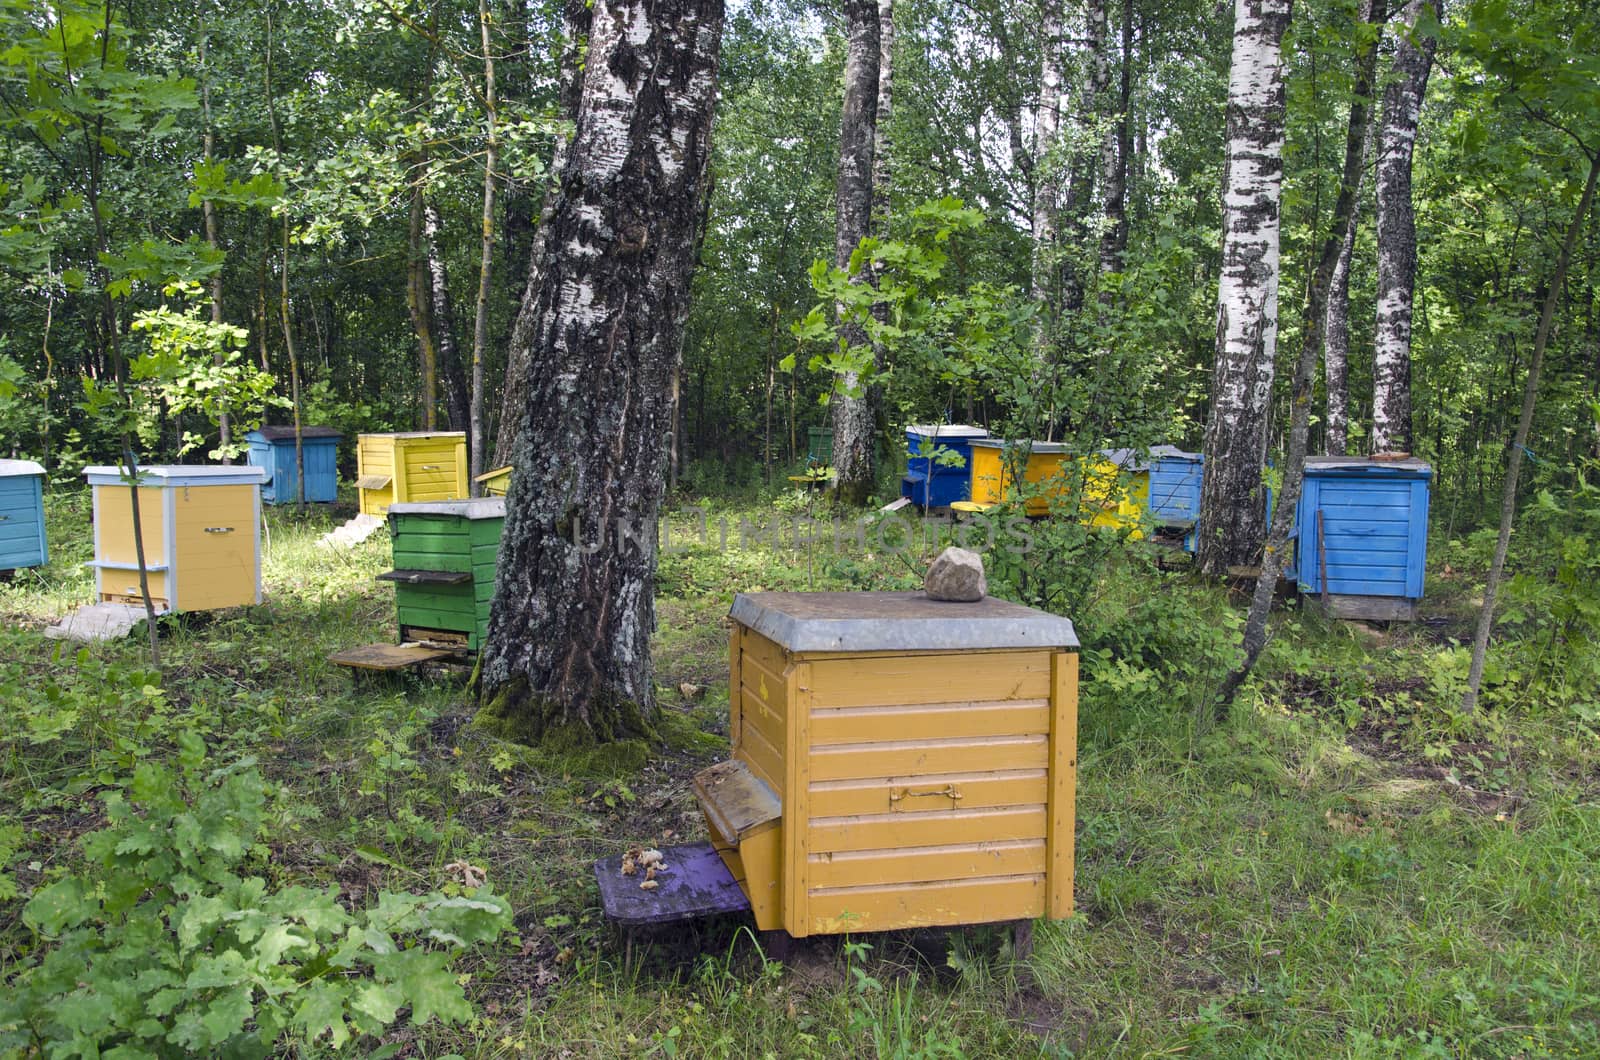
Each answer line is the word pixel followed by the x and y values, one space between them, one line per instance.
pixel 568 654
pixel 1397 232
pixel 1232 507
pixel 1276 551
pixel 208 213
pixel 476 434
pixel 853 457
pixel 576 18
pixel 457 400
pixel 418 296
pixel 1530 393
pixel 1047 162
pixel 1114 155
pixel 881 182
pixel 1336 345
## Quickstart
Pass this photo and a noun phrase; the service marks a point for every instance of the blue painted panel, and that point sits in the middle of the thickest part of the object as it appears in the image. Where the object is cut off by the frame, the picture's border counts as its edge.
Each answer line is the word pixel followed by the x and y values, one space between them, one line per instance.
pixel 1374 529
pixel 1175 488
pixel 936 485
pixel 277 456
pixel 22 537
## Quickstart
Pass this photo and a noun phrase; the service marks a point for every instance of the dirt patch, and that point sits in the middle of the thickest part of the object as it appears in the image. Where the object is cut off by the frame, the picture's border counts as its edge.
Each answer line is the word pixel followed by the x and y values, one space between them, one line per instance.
pixel 1051 1020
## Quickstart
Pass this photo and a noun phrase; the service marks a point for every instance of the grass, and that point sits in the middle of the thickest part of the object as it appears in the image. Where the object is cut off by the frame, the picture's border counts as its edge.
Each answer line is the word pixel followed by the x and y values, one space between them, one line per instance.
pixel 1345 869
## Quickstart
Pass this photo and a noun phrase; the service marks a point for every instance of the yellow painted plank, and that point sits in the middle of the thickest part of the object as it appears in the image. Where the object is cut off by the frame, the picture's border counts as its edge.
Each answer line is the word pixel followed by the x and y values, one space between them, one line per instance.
pixel 756 713
pixel 1061 837
pixel 916 757
pixel 769 656
pixel 113 516
pixel 215 533
pixel 930 678
pixel 763 758
pixel 795 796
pixel 962 861
pixel 863 724
pixel 979 901
pixel 735 685
pixel 978 791
pixel 886 830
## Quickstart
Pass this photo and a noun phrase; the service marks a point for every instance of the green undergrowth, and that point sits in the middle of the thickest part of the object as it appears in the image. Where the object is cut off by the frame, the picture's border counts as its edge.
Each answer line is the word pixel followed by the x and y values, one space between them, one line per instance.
pixel 1348 867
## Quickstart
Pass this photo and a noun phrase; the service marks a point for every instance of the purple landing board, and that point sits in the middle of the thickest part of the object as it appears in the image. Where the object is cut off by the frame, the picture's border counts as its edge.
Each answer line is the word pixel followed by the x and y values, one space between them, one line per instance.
pixel 696 884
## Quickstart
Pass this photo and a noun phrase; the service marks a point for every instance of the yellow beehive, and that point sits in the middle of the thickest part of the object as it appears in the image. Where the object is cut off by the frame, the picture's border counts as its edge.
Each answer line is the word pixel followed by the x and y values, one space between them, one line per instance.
pixel 1107 501
pixel 410 466
pixel 202 536
pixel 897 762
pixel 496 482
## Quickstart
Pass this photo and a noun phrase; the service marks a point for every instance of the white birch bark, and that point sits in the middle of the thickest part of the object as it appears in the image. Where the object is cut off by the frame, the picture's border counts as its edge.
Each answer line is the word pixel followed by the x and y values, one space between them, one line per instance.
pixel 1047 163
pixel 853 462
pixel 1397 232
pixel 1232 508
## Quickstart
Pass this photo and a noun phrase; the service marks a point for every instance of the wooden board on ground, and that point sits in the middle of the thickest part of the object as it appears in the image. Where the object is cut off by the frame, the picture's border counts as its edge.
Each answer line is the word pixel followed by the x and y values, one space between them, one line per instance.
pixel 694 884
pixel 1368 608
pixel 389 657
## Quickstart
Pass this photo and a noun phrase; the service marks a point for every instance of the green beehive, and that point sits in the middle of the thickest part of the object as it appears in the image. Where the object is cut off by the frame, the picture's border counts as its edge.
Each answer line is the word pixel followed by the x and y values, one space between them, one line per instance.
pixel 444 558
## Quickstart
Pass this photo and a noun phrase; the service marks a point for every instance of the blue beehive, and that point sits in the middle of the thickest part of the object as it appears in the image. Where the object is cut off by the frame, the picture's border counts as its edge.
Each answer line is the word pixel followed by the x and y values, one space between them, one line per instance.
pixel 1373 540
pixel 929 482
pixel 1175 485
pixel 273 449
pixel 22 542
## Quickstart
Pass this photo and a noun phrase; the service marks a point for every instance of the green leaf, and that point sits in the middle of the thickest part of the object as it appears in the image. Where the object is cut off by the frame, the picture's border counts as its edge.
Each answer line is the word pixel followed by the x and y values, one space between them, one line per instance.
pixel 61 905
pixel 321 1011
pixel 424 978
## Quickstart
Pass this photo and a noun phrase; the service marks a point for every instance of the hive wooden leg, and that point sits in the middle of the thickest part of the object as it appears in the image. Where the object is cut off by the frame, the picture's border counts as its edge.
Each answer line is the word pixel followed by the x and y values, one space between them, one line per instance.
pixel 776 944
pixel 1022 939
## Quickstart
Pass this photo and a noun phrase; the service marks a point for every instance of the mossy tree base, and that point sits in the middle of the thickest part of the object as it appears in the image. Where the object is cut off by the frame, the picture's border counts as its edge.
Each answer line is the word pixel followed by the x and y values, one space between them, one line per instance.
pixel 518 714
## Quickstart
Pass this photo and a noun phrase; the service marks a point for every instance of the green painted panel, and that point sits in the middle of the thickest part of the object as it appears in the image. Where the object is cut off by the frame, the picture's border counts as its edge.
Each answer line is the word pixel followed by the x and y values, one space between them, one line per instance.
pixel 409 559
pixel 444 544
pixel 486 531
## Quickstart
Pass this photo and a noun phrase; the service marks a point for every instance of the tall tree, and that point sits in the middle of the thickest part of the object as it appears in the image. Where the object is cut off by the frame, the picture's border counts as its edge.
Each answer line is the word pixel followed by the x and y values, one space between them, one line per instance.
pixel 1314 312
pixel 853 450
pixel 1232 508
pixel 477 435
pixel 1045 166
pixel 576 16
pixel 568 657
pixel 1397 228
pixel 457 395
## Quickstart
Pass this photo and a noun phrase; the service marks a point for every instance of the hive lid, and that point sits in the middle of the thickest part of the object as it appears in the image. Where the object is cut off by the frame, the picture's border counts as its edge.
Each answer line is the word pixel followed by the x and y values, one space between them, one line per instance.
pixel 1411 466
pixel 416 434
pixel 181 475
pixel 478 508
pixel 13 468
pixel 281 434
pixel 908 621
pixel 952 431
pixel 496 473
pixel 1033 447
pixel 1172 452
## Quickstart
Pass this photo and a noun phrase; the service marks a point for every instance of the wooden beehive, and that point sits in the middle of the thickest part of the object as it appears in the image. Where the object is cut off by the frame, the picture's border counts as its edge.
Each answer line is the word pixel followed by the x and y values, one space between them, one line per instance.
pixel 444 558
pixel 410 466
pixel 202 536
pixel 273 448
pixel 495 483
pixel 22 540
pixel 897 762
pixel 1361 533
pixel 1106 501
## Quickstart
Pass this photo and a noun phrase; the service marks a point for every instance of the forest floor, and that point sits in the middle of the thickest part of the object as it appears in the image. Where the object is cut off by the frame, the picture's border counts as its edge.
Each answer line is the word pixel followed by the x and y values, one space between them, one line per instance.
pixel 1345 868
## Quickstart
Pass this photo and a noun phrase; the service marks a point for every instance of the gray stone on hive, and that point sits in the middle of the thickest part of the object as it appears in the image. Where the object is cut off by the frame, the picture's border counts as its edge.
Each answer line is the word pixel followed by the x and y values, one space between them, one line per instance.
pixel 956 574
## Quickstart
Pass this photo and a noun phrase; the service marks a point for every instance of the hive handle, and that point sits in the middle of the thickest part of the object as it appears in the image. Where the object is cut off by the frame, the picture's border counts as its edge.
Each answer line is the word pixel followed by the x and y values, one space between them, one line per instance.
pixel 219 529
pixel 949 791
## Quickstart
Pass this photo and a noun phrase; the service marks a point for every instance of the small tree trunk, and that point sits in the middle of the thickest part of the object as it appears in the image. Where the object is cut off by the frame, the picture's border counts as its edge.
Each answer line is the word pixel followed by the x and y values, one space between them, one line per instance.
pixel 568 654
pixel 208 213
pixel 417 299
pixel 576 17
pixel 853 455
pixel 480 326
pixel 1397 233
pixel 1530 393
pixel 456 392
pixel 1114 152
pixel 1232 508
